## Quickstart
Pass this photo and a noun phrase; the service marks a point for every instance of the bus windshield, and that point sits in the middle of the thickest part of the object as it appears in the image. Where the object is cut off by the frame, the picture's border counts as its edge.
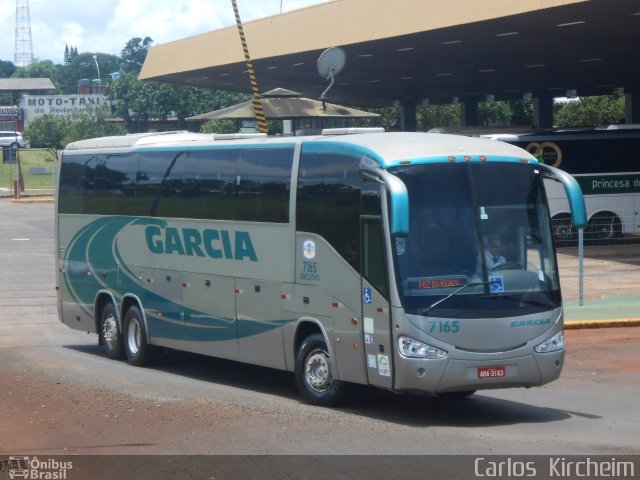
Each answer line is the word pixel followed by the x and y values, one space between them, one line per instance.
pixel 479 241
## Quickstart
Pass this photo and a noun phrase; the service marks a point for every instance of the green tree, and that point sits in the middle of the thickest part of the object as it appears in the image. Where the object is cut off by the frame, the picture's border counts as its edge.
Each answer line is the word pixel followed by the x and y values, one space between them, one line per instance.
pixel 47 131
pixel 6 69
pixel 219 126
pixel 134 53
pixel 494 113
pixel 389 117
pixel 94 123
pixel 521 112
pixel 434 116
pixel 186 102
pixel 39 69
pixel 591 111
pixel 83 66
pixel 54 132
pixel 138 102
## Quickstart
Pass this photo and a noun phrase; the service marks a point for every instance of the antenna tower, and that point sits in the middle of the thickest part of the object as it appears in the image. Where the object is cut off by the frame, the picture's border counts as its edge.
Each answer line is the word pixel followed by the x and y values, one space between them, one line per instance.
pixel 24 45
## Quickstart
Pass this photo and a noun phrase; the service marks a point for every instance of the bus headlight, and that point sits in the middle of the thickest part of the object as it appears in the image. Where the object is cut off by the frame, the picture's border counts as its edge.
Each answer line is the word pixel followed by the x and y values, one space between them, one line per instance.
pixel 409 347
pixel 554 344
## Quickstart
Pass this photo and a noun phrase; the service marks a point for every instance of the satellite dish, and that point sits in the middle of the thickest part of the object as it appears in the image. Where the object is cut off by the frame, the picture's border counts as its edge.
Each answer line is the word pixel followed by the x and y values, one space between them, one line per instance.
pixel 330 63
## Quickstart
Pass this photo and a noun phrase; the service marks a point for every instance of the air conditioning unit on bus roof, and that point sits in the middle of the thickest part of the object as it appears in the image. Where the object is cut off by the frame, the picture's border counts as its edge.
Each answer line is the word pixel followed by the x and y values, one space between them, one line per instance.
pixel 237 136
pixel 349 131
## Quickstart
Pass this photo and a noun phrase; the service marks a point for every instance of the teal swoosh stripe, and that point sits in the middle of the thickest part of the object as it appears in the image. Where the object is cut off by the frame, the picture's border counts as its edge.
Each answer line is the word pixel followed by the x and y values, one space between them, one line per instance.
pixel 95 248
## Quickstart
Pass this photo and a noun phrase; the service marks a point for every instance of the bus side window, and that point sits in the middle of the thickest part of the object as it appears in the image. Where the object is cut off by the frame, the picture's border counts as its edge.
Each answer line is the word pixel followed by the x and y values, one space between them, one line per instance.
pixel 73 183
pixel 159 178
pixel 264 184
pixel 373 256
pixel 328 201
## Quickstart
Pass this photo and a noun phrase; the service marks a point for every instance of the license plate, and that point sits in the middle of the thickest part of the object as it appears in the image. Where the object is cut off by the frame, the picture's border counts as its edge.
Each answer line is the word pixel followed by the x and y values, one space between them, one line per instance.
pixel 492 372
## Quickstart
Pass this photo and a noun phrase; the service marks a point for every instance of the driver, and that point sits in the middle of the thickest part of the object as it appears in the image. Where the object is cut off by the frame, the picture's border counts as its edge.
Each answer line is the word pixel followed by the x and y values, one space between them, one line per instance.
pixel 493 253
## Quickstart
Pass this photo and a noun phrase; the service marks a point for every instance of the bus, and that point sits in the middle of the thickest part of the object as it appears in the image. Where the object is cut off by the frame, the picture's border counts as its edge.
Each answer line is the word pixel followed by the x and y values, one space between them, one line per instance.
pixel 345 258
pixel 604 161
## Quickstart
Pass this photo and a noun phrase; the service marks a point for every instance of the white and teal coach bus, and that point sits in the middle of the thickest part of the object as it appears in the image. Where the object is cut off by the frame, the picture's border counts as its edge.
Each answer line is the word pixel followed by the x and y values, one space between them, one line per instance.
pixel 345 258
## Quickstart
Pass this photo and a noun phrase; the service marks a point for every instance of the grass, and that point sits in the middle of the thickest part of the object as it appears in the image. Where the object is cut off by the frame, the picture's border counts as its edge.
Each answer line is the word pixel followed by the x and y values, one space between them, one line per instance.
pixel 36 160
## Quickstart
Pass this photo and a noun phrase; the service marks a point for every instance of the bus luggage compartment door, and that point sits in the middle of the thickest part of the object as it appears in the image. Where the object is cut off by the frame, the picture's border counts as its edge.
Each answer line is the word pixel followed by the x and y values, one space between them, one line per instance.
pixel 259 322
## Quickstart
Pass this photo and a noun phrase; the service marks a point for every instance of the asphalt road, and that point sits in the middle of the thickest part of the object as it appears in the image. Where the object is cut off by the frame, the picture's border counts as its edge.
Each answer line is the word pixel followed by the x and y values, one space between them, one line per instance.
pixel 60 395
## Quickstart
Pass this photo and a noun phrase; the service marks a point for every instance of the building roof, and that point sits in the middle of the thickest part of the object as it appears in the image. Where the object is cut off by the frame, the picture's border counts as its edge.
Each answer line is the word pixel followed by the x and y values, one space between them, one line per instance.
pixel 282 104
pixel 26 84
pixel 408 50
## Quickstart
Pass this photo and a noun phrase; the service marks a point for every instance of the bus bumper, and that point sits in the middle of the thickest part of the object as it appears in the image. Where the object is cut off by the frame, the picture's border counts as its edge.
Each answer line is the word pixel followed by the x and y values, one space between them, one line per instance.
pixel 452 375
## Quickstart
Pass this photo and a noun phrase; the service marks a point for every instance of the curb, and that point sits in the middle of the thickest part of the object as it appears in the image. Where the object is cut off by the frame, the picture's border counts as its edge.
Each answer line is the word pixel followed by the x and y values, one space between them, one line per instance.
pixel 33 200
pixel 585 324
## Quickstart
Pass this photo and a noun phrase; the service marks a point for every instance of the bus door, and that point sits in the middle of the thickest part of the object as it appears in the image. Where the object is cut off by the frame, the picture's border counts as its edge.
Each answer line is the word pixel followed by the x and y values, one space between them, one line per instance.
pixel 376 315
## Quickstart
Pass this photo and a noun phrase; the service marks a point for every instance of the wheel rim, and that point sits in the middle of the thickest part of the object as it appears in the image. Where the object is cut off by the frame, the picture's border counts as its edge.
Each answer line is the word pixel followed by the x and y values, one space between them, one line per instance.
pixel 317 370
pixel 110 332
pixel 562 229
pixel 605 229
pixel 134 337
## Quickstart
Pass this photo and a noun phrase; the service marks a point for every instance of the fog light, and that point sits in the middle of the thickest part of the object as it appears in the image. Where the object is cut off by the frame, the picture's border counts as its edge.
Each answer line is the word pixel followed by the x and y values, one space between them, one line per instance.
pixel 554 344
pixel 409 347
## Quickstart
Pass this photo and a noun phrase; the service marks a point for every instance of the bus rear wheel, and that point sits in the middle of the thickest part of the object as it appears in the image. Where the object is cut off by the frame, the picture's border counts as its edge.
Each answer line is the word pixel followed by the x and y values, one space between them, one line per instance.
pixel 313 373
pixel 604 226
pixel 109 331
pixel 136 348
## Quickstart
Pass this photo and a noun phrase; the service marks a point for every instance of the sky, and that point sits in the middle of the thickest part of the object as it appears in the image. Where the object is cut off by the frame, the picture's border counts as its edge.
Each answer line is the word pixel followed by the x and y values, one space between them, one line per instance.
pixel 105 26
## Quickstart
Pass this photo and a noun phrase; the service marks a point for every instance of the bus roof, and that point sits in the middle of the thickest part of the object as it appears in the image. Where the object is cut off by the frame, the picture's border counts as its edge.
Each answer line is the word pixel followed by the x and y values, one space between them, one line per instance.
pixel 417 147
pixel 386 148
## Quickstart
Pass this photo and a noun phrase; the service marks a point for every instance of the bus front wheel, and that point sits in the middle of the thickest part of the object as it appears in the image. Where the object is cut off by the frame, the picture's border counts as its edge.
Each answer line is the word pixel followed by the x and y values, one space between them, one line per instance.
pixel 110 334
pixel 136 348
pixel 313 373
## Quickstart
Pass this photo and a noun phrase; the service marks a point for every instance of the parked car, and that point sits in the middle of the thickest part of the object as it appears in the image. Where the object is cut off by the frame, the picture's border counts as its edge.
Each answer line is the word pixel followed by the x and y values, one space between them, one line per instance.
pixel 12 139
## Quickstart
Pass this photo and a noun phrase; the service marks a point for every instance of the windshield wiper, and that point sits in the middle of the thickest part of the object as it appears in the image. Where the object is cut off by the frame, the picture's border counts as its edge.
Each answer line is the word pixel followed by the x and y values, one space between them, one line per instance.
pixel 471 284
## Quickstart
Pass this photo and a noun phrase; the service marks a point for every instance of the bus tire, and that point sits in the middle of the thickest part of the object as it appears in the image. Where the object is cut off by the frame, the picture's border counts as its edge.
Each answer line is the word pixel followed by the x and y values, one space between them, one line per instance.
pixel 109 332
pixel 564 235
pixel 136 348
pixel 313 373
pixel 604 226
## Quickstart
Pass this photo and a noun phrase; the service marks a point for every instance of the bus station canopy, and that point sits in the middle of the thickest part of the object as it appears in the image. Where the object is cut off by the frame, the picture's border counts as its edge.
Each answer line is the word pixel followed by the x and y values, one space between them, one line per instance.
pixel 282 104
pixel 411 50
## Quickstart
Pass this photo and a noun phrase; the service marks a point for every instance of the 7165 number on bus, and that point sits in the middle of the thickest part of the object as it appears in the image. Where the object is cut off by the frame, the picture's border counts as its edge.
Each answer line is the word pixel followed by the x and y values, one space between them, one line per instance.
pixel 440 326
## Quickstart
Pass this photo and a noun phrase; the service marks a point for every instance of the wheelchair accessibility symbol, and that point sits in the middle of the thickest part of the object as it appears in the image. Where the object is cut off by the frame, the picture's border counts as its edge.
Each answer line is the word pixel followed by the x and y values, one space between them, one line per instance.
pixel 496 284
pixel 366 295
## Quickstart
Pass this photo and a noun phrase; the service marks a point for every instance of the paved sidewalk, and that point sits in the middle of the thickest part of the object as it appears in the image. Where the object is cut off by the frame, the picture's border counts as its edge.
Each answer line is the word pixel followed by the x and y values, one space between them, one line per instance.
pixel 28 196
pixel 602 316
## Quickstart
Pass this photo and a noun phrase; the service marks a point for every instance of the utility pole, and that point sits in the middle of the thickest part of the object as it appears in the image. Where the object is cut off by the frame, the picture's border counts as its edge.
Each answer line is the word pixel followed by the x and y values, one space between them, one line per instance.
pixel 23 55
